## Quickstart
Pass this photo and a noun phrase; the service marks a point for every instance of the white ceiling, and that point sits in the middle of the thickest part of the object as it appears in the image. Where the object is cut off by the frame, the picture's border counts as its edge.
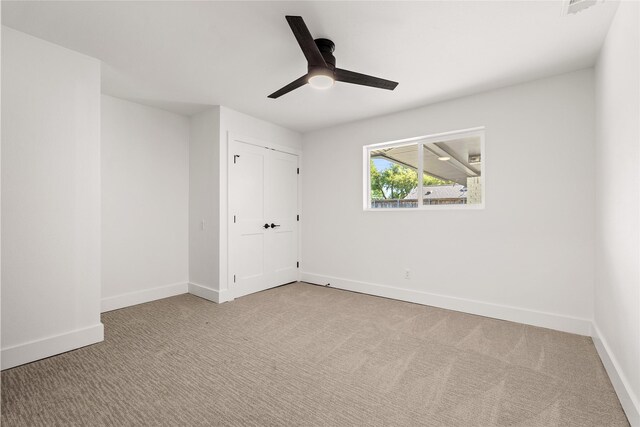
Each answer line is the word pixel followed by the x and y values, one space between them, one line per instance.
pixel 183 56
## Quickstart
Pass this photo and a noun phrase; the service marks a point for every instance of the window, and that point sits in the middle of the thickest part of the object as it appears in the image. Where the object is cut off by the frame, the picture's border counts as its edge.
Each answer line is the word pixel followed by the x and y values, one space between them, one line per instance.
pixel 451 165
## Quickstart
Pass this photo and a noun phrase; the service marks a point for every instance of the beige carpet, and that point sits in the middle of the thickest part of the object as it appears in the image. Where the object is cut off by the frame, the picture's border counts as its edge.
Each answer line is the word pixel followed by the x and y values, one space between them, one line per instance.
pixel 303 355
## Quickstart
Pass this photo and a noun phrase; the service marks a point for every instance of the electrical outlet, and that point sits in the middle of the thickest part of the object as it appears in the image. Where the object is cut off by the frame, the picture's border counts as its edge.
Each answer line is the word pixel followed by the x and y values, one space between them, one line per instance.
pixel 407 274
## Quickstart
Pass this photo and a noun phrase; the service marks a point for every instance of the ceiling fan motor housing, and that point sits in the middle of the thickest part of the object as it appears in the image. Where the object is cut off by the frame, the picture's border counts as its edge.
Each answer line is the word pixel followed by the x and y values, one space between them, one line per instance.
pixel 326 48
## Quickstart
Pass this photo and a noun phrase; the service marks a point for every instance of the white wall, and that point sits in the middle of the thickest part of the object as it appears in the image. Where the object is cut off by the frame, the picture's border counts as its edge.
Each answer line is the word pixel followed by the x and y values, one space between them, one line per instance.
pixel 617 290
pixel 526 257
pixel 203 202
pixel 0 204
pixel 50 199
pixel 145 203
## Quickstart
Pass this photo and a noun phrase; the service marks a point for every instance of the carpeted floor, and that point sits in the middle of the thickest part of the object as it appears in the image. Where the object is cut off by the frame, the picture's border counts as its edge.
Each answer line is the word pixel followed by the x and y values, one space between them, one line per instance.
pixel 303 355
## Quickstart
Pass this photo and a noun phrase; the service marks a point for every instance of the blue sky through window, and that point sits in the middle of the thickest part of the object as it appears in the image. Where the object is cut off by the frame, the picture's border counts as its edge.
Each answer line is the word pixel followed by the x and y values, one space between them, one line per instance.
pixel 382 164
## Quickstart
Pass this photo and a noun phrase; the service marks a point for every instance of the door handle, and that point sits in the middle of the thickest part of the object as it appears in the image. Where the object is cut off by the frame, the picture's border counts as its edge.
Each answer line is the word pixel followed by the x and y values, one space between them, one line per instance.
pixel 274 225
pixel 266 226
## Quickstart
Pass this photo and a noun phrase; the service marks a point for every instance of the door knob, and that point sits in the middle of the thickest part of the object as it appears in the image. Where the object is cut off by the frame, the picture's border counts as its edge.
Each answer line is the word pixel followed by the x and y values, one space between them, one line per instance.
pixel 266 226
pixel 274 225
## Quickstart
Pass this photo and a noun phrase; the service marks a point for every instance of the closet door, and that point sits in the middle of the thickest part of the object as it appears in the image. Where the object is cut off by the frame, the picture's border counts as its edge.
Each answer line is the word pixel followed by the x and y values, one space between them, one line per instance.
pixel 281 209
pixel 263 229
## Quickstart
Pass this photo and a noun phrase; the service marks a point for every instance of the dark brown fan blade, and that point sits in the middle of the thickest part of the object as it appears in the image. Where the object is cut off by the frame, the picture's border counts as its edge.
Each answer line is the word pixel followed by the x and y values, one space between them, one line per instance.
pixel 288 88
pixel 364 80
pixel 308 46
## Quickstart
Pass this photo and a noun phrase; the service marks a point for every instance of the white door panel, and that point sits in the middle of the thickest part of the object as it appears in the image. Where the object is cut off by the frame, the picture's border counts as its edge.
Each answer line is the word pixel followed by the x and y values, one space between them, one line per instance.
pixel 263 190
pixel 285 256
pixel 282 192
pixel 251 263
pixel 248 237
pixel 248 179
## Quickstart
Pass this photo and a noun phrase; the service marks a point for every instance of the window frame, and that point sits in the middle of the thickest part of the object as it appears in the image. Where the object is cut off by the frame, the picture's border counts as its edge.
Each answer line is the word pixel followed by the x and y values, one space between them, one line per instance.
pixel 420 141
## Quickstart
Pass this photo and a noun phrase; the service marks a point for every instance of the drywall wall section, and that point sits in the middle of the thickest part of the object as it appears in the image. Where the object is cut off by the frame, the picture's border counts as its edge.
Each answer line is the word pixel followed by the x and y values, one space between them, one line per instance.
pixel 526 257
pixel 617 287
pixel 204 203
pixel 145 192
pixel 0 201
pixel 242 125
pixel 50 199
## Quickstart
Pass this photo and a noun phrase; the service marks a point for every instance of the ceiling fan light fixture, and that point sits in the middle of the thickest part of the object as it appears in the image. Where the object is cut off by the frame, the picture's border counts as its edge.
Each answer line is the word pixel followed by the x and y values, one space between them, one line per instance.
pixel 321 64
pixel 321 81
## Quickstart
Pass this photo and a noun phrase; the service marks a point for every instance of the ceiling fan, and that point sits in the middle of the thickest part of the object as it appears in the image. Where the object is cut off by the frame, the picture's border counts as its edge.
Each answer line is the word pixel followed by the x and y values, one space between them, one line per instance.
pixel 322 71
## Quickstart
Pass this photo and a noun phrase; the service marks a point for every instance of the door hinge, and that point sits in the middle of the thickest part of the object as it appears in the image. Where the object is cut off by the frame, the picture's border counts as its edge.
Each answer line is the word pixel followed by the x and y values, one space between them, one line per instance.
pixel 298 264
pixel 298 172
pixel 297 217
pixel 234 219
pixel 234 278
pixel 235 156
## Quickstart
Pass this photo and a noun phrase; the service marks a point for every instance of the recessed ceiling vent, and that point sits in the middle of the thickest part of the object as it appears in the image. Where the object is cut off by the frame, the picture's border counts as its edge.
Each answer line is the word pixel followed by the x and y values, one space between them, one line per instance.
pixel 571 7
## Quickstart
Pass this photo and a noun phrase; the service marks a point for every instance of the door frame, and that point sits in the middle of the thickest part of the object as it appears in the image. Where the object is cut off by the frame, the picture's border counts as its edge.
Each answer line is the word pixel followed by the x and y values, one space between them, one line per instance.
pixel 235 138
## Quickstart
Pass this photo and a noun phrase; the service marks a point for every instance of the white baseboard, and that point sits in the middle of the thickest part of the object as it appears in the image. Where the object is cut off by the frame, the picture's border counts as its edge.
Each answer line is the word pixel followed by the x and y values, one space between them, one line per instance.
pixel 558 322
pixel 139 297
pixel 628 399
pixel 50 346
pixel 209 294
